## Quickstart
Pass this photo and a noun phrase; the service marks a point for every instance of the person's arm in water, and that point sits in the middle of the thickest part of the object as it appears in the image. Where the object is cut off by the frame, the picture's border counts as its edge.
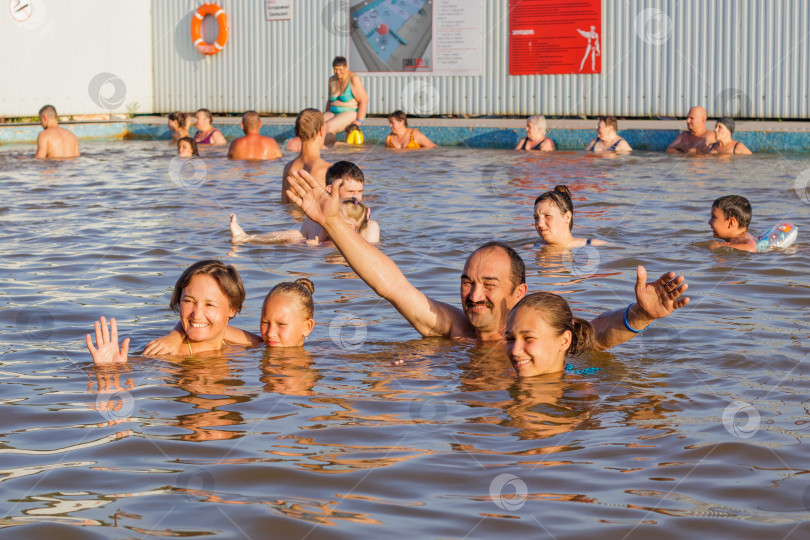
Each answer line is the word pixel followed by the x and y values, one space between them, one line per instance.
pixel 675 146
pixel 592 144
pixel 623 147
pixel 654 300
pixel 42 146
pixel 232 148
pixel 422 140
pixel 218 139
pixel 429 317
pixel 172 341
pixel 520 143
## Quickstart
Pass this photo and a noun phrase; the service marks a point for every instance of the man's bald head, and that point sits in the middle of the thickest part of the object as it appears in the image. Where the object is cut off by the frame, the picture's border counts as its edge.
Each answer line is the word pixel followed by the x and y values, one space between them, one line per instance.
pixel 48 111
pixel 696 121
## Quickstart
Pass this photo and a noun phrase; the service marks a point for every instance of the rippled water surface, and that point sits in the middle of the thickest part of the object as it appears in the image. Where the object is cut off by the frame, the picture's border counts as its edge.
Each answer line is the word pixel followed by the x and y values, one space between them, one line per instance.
pixel 695 429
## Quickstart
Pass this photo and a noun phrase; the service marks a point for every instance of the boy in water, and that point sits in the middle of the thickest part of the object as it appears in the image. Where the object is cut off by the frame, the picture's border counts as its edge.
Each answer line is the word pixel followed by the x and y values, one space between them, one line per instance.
pixel 731 216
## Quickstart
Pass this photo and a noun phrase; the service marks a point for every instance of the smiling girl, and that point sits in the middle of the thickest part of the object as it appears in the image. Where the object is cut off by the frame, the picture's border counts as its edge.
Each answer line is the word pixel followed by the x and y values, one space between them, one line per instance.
pixel 541 331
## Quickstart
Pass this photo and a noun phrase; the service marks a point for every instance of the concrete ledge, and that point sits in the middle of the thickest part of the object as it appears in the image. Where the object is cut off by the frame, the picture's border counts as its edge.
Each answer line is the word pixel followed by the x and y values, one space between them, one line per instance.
pixel 27 133
pixel 503 133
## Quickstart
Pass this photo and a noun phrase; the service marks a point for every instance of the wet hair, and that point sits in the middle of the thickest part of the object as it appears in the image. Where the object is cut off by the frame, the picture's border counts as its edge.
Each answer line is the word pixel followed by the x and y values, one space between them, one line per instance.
pixel 399 116
pixel 735 206
pixel 561 196
pixel 538 121
pixel 48 110
pixel 356 212
pixel 729 123
pixel 300 290
pixel 350 128
pixel 251 120
pixel 207 113
pixel 180 117
pixel 230 283
pixel 308 123
pixel 339 61
pixel 610 121
pixel 557 313
pixel 192 142
pixel 345 170
pixel 516 265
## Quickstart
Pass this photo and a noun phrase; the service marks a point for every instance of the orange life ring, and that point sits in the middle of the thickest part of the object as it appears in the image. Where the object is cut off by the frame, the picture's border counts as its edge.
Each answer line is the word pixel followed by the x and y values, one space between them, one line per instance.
pixel 196 28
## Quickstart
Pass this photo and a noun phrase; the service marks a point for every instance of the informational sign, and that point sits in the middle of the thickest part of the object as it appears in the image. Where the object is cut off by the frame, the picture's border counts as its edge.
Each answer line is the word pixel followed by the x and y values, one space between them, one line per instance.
pixel 436 37
pixel 555 37
pixel 278 10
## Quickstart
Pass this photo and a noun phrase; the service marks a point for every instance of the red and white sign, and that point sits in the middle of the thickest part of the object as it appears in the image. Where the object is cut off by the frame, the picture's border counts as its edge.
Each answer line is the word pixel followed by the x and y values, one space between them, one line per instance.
pixel 555 37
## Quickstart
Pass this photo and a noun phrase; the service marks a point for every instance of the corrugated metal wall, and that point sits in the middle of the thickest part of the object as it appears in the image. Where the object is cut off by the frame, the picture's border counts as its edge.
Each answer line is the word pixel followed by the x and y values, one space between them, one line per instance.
pixel 83 58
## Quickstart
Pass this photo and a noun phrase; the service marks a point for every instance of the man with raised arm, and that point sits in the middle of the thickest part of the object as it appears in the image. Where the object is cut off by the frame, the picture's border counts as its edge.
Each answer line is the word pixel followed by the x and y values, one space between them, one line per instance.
pixel 697 138
pixel 492 282
pixel 54 141
pixel 253 145
pixel 309 127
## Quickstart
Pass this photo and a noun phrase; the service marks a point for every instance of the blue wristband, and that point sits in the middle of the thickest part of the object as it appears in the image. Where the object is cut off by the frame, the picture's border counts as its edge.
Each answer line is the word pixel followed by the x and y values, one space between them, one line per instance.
pixel 627 325
pixel 358 120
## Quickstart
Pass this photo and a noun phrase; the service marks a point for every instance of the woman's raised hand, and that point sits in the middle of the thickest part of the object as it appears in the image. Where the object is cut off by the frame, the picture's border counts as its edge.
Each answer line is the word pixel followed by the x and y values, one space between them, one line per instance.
pixel 106 350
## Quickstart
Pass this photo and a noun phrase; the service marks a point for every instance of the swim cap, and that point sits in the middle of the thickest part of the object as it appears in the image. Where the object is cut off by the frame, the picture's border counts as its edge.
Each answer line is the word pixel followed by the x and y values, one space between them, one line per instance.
pixel 355 137
pixel 728 122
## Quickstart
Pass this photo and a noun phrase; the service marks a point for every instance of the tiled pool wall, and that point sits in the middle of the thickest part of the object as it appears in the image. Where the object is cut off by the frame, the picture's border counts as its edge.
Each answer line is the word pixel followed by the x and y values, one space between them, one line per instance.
pixel 449 135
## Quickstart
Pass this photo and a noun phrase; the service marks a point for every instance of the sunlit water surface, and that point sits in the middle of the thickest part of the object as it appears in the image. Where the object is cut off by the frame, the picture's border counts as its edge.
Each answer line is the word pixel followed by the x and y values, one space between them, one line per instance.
pixel 697 428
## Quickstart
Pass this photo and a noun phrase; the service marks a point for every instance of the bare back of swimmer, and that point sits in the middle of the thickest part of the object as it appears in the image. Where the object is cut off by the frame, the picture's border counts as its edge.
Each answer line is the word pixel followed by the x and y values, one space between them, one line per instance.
pixel 54 141
pixel 253 145
pixel 309 127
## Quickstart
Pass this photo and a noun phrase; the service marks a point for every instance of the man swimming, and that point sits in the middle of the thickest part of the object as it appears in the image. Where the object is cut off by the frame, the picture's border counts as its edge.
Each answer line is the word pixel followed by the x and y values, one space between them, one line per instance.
pixel 492 282
pixel 54 141
pixel 697 138
pixel 253 145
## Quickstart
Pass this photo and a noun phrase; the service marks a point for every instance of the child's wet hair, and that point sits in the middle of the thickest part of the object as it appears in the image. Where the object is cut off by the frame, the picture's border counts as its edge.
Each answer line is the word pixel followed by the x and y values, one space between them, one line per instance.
pixel 737 207
pixel 345 170
pixel 561 196
pixel 350 128
pixel 557 313
pixel 355 211
pixel 226 276
pixel 191 142
pixel 300 290
pixel 308 123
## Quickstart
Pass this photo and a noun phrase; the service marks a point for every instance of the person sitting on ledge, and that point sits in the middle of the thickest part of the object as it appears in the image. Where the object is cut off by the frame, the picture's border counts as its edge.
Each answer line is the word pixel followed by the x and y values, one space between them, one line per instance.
pixel 607 139
pixel 696 138
pixel 54 141
pixel 535 138
pixel 253 145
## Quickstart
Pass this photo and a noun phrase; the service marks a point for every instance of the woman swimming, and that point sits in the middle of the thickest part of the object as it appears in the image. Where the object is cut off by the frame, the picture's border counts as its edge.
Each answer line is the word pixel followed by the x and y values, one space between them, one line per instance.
pixel 179 123
pixel 207 295
pixel 403 137
pixel 535 138
pixel 353 211
pixel 554 220
pixel 286 321
pixel 725 144
pixel 541 331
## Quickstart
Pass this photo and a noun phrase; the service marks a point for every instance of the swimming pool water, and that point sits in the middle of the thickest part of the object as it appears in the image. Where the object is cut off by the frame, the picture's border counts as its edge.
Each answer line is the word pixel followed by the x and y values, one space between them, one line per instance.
pixel 693 429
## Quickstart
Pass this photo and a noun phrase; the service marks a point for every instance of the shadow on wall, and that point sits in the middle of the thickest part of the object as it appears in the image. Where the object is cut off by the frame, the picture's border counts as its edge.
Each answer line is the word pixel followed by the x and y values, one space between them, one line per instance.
pixel 182 38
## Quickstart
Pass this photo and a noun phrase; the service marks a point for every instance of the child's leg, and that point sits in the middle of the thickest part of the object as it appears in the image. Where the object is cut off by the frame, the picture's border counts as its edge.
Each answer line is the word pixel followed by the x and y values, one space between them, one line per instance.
pixel 237 233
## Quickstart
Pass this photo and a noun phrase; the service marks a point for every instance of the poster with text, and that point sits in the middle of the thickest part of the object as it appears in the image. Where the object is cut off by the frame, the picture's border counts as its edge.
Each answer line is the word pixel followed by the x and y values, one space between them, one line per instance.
pixel 434 37
pixel 555 37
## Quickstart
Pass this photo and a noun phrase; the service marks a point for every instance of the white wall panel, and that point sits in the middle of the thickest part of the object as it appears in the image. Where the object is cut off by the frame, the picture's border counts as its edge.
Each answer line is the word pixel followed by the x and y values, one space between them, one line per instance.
pixel 60 54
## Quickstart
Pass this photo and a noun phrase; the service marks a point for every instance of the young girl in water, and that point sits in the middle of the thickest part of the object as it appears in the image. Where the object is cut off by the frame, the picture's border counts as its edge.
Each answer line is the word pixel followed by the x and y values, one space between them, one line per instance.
pixel 541 331
pixel 353 211
pixel 286 321
pixel 187 147
pixel 207 295
pixel 554 220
